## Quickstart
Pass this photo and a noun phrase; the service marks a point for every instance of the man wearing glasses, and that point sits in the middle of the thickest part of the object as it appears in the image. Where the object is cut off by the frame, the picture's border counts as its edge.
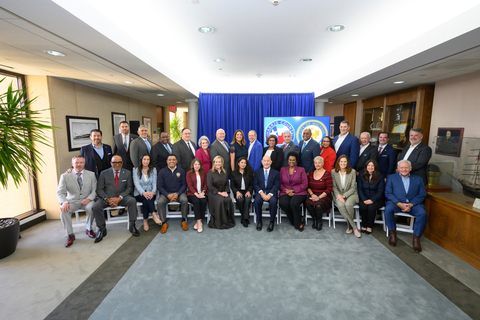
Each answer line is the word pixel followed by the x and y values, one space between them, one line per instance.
pixel 114 188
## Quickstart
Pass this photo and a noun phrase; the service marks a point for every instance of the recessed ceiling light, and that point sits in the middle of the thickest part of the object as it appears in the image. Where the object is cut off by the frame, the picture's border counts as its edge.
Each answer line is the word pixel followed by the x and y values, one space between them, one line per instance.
pixel 292 76
pixel 128 82
pixel 54 53
pixel 330 101
pixel 259 75
pixel 398 82
pixel 355 95
pixel 224 76
pixel 194 1
pixel 218 60
pixel 205 29
pixel 160 94
pixel 307 60
pixel 179 101
pixel 336 28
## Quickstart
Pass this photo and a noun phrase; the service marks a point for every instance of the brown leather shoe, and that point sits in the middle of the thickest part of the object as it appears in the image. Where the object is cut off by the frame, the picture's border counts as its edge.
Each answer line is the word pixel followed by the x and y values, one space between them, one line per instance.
pixel 416 244
pixel 164 228
pixel 392 238
pixel 70 240
pixel 184 226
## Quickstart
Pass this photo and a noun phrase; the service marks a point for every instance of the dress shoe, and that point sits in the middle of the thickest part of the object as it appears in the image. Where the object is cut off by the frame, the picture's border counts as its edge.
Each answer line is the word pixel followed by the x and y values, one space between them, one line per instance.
pixel 184 226
pixel 392 238
pixel 101 233
pixel 363 230
pixel 133 230
pixel 319 225
pixel 349 231
pixel 416 244
pixel 90 233
pixel 259 226
pixel 70 240
pixel 121 212
pixel 156 219
pixel 357 234
pixel 245 223
pixel 164 227
pixel 270 226
pixel 314 224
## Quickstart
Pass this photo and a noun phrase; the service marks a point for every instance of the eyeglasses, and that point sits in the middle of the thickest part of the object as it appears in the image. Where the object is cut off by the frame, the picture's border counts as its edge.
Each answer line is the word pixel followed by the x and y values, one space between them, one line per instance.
pixel 119 162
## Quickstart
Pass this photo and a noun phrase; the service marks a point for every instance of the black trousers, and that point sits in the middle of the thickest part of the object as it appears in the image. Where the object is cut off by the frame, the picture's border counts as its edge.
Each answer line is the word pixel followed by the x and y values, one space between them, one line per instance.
pixel 199 206
pixel 244 204
pixel 148 205
pixel 316 212
pixel 369 212
pixel 291 207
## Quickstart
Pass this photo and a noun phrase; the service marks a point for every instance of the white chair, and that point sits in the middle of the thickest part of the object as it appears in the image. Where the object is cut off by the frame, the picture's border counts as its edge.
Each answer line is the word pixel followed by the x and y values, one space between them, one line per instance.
pixel 404 227
pixel 178 213
pixel 381 212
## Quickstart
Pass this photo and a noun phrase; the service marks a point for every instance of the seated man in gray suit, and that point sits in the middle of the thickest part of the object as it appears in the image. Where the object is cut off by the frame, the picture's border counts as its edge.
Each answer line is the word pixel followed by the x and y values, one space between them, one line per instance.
pixel 114 188
pixel 140 146
pixel 220 147
pixel 76 190
pixel 288 146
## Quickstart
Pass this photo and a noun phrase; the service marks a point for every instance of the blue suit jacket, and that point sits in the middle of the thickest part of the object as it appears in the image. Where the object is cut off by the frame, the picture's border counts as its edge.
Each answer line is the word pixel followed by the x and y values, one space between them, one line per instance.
pixel 349 147
pixel 387 161
pixel 312 150
pixel 255 158
pixel 273 183
pixel 90 163
pixel 395 192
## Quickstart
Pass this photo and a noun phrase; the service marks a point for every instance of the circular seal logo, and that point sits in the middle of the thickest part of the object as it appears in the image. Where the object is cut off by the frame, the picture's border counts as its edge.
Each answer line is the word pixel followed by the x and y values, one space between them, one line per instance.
pixel 278 127
pixel 318 130
pixel 178 174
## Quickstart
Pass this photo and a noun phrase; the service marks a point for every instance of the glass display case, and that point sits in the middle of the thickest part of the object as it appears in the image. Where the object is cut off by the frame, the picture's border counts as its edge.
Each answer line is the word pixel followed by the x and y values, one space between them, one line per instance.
pixel 400 119
pixel 373 123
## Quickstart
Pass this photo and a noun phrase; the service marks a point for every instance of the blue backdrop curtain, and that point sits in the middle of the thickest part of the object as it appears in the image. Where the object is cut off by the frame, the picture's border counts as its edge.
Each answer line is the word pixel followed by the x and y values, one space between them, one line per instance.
pixel 246 112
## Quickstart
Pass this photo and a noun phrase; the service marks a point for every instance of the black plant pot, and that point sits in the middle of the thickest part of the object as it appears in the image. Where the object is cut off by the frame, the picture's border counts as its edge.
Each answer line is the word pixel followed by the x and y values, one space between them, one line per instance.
pixel 9 232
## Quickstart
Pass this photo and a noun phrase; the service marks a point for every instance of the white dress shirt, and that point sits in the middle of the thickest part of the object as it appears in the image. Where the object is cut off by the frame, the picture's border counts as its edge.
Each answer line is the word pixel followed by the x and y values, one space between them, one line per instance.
pixel 340 141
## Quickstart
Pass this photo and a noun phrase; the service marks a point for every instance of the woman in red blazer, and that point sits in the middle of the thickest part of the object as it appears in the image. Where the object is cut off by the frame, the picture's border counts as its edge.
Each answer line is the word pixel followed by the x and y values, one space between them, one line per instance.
pixel 328 154
pixel 197 191
pixel 293 190
pixel 203 153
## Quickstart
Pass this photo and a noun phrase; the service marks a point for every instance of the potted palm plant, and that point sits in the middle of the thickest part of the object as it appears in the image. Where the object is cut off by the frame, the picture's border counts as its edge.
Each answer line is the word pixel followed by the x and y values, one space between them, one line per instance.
pixel 176 128
pixel 20 131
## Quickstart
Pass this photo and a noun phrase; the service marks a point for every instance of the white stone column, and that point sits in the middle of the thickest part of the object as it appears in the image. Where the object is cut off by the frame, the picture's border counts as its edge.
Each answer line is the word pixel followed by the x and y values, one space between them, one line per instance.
pixel 193 118
pixel 320 107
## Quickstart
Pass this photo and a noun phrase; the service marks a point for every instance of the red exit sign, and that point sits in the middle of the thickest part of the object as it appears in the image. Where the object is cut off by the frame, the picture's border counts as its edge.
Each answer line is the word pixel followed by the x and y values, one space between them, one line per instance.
pixel 172 108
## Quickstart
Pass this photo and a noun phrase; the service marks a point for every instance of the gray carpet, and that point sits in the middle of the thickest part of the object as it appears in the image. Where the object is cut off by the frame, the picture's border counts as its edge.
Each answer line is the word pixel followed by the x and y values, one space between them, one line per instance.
pixel 241 273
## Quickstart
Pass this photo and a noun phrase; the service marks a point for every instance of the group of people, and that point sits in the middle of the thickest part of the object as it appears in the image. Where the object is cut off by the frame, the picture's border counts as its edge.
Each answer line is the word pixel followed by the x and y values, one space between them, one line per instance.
pixel 222 176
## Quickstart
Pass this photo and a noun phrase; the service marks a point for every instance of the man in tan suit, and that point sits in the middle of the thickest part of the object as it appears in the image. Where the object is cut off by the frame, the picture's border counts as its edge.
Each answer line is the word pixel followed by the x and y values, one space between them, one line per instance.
pixel 76 190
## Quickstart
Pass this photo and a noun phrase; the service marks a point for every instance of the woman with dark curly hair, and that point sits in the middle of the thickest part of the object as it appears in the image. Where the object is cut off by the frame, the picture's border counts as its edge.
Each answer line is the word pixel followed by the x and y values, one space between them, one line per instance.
pixel 275 153
pixel 328 154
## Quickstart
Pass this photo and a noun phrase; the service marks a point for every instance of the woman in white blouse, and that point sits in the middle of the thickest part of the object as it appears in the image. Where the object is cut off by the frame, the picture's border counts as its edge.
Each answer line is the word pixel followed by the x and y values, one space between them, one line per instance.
pixel 345 192
pixel 145 182
pixel 197 191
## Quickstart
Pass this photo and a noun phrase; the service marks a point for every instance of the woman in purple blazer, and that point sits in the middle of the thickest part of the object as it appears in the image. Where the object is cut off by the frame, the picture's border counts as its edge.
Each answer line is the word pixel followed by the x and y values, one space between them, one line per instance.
pixel 293 190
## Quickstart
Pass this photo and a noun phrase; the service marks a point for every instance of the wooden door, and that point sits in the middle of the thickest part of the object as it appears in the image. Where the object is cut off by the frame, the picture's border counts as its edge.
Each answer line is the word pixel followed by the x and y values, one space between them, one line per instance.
pixel 349 112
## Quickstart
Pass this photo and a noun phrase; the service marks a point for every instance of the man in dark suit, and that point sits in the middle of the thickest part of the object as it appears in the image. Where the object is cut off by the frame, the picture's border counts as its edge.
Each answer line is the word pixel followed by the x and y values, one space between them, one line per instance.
pixel 97 155
pixel 309 149
pixel 140 146
pixel 266 184
pixel 405 192
pixel 347 144
pixel 220 148
pixel 387 156
pixel 114 188
pixel 185 150
pixel 121 144
pixel 255 151
pixel 160 152
pixel 367 152
pixel 417 153
pixel 289 146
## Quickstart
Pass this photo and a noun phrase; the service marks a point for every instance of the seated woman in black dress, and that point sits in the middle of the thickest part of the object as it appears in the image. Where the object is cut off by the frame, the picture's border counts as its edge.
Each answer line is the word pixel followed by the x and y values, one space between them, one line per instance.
pixel 241 183
pixel 219 202
pixel 238 148
pixel 320 186
pixel 275 153
pixel 370 188
pixel 197 191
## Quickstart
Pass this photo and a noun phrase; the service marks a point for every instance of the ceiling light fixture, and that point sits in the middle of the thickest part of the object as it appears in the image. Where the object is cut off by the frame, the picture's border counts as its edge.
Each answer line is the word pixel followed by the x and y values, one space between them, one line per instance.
pixel 160 94
pixel 179 101
pixel 259 75
pixel 330 101
pixel 218 60
pixel 54 53
pixel 128 82
pixel 336 28
pixel 306 60
pixel 355 95
pixel 398 82
pixel 292 76
pixel 275 2
pixel 194 1
pixel 205 29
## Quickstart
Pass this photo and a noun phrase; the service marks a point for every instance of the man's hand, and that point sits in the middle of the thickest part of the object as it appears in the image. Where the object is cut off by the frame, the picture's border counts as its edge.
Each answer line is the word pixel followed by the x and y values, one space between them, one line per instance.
pixel 267 197
pixel 69 170
pixel 239 195
pixel 405 207
pixel 172 197
pixel 84 202
pixel 113 202
pixel 65 207
pixel 248 195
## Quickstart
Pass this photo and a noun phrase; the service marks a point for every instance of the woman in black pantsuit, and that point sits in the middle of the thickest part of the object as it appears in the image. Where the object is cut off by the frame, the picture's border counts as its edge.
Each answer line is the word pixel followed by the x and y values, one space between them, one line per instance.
pixel 241 183
pixel 197 191
pixel 275 153
pixel 370 187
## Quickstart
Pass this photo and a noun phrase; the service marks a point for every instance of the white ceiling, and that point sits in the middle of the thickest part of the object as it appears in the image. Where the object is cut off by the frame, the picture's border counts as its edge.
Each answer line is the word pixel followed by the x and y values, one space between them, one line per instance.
pixel 155 44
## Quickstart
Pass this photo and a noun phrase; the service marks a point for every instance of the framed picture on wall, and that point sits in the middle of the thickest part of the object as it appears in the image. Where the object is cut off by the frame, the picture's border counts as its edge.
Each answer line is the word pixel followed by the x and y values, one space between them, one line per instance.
pixel 148 122
pixel 332 130
pixel 78 131
pixel 116 119
pixel 449 141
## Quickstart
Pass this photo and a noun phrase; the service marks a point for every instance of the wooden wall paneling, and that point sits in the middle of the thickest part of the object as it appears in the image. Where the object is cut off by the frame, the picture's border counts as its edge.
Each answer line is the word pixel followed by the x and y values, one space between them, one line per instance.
pixel 349 112
pixel 375 102
pixel 404 96
pixel 423 112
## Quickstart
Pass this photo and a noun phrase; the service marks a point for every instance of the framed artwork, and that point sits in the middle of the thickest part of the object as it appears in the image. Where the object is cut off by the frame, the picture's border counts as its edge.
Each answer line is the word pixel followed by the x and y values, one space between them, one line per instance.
pixel 332 129
pixel 148 122
pixel 449 141
pixel 78 131
pixel 116 119
pixel 400 128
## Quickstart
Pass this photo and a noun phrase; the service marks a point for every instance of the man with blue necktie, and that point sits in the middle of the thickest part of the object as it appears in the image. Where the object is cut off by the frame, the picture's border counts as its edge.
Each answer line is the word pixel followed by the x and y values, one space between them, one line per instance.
pixel 266 184
pixel 140 146
pixel 405 192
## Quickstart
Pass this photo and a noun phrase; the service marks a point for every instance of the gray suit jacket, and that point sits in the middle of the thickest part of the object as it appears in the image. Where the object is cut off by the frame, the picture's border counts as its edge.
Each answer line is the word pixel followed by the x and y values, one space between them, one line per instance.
pixel 119 149
pixel 292 147
pixel 106 184
pixel 138 149
pixel 216 149
pixel 184 156
pixel 68 189
pixel 350 189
